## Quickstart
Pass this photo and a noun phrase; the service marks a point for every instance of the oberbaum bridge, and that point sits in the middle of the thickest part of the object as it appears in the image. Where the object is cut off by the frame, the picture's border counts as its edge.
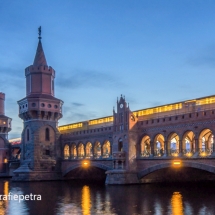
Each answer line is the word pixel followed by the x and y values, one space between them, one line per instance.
pixel 172 142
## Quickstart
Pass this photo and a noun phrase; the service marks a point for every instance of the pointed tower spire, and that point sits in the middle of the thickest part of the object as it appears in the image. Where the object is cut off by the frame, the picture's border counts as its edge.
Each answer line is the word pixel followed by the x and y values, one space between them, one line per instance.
pixel 40 59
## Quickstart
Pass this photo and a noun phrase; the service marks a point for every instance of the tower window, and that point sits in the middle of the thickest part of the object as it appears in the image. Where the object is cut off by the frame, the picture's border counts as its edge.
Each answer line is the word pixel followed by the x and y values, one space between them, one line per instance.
pixel 47 137
pixel 120 145
pixel 47 152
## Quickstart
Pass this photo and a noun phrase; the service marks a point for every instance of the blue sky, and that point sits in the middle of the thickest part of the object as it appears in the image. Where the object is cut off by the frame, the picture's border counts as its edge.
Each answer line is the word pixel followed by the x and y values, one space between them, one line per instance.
pixel 153 52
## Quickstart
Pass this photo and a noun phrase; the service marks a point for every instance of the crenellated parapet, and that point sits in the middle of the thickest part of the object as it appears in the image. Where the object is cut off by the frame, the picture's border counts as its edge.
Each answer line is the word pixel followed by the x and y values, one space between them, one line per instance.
pixel 38 69
pixel 42 108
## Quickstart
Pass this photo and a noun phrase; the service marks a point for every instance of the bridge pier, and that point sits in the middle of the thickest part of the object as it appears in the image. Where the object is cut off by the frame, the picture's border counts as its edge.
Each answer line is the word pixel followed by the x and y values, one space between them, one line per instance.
pixel 121 177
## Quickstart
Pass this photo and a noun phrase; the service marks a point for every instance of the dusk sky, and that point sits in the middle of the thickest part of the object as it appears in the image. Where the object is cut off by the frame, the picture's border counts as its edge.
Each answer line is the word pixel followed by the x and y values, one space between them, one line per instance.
pixel 153 52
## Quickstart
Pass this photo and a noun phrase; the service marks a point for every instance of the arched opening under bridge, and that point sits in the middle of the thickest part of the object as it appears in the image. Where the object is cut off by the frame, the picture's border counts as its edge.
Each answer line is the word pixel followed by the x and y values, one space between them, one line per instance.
pixel 86 171
pixel 188 172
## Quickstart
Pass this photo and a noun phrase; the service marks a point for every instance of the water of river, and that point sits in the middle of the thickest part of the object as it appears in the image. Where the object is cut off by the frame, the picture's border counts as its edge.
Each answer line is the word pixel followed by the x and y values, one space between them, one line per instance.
pixel 69 197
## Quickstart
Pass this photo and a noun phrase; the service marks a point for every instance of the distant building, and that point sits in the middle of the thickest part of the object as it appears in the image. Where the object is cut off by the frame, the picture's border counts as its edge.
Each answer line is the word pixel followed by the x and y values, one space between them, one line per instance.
pixel 5 127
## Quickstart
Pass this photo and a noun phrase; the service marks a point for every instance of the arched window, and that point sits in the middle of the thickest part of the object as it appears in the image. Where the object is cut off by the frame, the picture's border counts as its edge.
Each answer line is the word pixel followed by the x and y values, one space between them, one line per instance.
pixel 47 136
pixel 81 152
pixel 89 152
pixel 173 143
pixel 120 145
pixel 66 151
pixel 187 144
pixel 106 149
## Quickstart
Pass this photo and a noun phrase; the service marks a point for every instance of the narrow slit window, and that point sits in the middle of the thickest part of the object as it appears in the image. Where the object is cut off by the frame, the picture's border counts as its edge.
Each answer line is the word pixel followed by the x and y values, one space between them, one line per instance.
pixel 47 134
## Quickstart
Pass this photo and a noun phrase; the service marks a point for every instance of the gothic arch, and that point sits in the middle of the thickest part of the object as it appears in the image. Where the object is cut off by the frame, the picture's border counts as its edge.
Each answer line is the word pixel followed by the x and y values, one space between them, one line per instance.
pixel 97 150
pixel 43 132
pixel 159 145
pixel 89 150
pixel 73 151
pixel 27 134
pixel 81 151
pixel 66 151
pixel 173 144
pixel 145 146
pixel 206 140
pixel 106 149
pixel 188 143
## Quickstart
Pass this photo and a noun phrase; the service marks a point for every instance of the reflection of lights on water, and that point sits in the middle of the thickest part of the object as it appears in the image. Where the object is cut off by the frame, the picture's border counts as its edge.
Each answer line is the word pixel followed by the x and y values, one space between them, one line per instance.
pixel 176 203
pixel 6 187
pixel 86 204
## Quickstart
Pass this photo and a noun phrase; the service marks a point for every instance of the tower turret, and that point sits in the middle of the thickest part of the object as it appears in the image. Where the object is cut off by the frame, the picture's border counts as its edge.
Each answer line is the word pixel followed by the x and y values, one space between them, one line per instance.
pixel 40 102
pixel 5 122
pixel 40 112
pixel 5 127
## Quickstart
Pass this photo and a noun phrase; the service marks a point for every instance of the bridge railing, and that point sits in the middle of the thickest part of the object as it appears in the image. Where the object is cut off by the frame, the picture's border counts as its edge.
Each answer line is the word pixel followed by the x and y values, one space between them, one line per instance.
pixel 145 153
pixel 188 152
pixel 205 152
pixel 88 156
pixel 173 152
pixel 158 152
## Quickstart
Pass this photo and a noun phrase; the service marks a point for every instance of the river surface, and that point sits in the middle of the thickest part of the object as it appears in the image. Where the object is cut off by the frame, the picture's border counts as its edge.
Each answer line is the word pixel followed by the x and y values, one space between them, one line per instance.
pixel 70 197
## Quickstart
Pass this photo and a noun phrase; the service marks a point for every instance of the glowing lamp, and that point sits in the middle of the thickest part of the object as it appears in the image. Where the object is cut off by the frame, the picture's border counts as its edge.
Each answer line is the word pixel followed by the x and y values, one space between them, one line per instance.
pixel 85 163
pixel 176 163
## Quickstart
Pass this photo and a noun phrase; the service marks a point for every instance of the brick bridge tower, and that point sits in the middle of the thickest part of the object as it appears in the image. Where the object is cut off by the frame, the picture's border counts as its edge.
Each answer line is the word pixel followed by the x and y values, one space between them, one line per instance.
pixel 5 122
pixel 5 127
pixel 123 148
pixel 40 112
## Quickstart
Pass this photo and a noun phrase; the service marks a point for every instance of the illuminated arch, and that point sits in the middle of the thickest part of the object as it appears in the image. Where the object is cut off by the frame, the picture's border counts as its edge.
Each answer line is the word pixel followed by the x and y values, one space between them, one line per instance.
pixel 173 144
pixel 156 167
pixel 145 148
pixel 188 143
pixel 159 147
pixel 106 150
pixel 89 151
pixel 97 150
pixel 73 151
pixel 81 153
pixel 206 139
pixel 98 165
pixel 66 151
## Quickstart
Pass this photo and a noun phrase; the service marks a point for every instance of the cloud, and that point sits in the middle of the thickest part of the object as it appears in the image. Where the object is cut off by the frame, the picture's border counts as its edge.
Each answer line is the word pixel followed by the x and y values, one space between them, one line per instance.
pixel 77 104
pixel 73 117
pixel 12 78
pixel 203 57
pixel 86 79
